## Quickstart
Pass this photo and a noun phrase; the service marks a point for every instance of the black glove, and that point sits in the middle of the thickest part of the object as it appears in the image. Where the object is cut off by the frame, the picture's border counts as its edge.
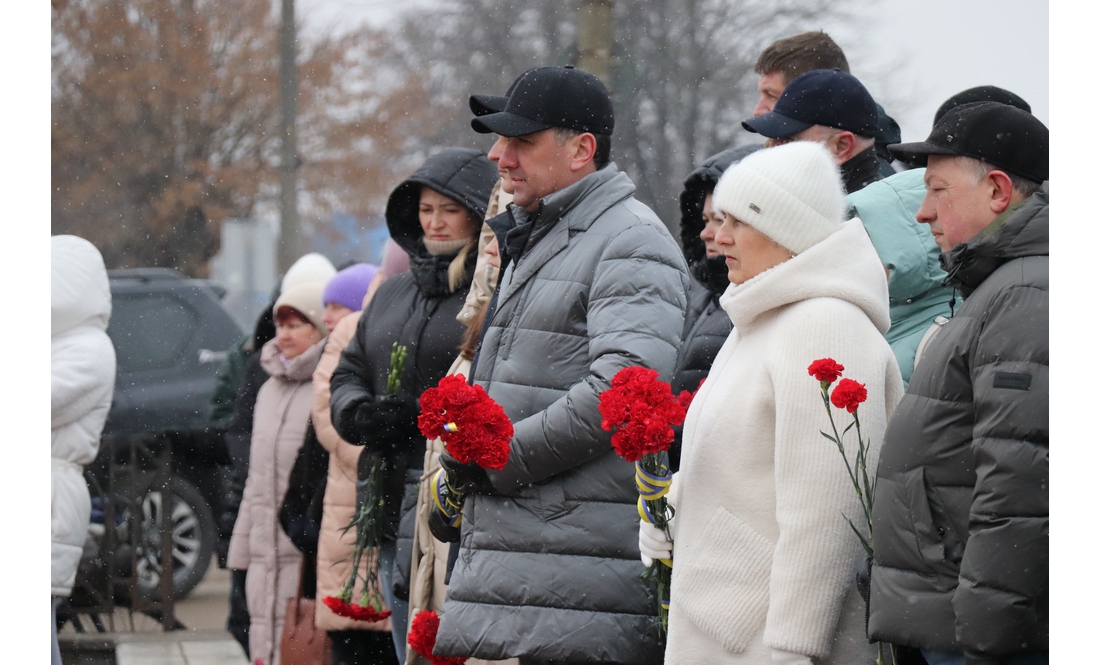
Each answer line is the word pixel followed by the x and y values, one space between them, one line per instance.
pixel 465 478
pixel 388 423
pixel 442 531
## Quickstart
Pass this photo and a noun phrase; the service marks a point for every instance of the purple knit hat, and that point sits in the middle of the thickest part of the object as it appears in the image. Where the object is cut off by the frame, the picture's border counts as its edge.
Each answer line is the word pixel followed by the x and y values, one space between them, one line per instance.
pixel 348 286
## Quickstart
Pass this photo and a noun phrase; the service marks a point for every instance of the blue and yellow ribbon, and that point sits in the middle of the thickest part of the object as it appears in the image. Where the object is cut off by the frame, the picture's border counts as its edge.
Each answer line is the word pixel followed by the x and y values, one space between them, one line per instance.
pixel 652 487
pixel 446 501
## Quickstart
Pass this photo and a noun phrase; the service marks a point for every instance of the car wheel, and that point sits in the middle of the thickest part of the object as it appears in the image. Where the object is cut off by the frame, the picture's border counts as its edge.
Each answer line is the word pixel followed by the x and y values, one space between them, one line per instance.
pixel 194 533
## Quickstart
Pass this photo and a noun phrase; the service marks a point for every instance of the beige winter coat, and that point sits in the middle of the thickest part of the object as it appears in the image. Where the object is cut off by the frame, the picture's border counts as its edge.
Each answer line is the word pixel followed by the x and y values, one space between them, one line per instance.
pixel 259 543
pixel 334 547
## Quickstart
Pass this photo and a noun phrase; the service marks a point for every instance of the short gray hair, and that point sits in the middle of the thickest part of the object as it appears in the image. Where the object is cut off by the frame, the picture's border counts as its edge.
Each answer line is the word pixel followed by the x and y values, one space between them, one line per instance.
pixel 979 170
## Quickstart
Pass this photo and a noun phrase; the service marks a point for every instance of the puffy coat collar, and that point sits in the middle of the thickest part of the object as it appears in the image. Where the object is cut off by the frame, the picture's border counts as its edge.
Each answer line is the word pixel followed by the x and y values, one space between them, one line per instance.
pixel 298 369
pixel 861 170
pixel 842 266
pixel 578 206
pixel 1025 233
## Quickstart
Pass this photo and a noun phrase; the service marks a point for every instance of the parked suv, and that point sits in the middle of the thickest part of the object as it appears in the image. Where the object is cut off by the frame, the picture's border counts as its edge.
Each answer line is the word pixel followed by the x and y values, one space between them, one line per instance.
pixel 171 335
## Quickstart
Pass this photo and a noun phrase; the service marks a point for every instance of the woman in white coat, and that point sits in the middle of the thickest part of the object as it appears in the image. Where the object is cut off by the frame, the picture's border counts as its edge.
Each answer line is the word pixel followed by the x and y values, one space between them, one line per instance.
pixel 82 373
pixel 765 563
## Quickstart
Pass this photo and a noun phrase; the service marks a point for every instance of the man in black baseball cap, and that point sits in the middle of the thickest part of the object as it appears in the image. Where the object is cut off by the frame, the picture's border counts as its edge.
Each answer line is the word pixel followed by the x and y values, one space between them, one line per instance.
pixel 833 108
pixel 971 436
pixel 591 282
pixel 996 144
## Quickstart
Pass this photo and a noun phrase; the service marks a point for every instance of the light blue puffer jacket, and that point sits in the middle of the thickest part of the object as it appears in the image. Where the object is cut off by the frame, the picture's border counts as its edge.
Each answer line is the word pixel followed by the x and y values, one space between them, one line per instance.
pixel 888 209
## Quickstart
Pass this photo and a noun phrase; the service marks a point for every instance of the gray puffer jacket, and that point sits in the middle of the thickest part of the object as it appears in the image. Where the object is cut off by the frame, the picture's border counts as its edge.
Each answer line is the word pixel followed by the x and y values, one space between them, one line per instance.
pixel 548 567
pixel 961 510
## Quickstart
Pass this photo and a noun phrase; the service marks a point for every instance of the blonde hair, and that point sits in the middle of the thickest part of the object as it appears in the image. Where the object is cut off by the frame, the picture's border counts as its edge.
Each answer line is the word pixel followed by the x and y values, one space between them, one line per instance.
pixel 456 271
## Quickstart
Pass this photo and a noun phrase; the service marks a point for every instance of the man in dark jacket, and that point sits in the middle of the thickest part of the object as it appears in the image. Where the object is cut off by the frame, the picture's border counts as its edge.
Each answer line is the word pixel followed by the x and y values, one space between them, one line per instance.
pixel 548 568
pixel 961 510
pixel 707 325
pixel 832 108
pixel 790 57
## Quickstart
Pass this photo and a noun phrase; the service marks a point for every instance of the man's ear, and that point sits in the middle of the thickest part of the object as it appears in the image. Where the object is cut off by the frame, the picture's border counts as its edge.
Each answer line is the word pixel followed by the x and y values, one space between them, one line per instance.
pixel 582 151
pixel 844 146
pixel 1001 191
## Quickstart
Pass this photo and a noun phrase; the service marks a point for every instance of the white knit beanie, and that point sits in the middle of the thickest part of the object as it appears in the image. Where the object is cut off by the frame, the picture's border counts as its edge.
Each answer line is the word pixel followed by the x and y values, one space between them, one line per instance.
pixel 791 193
pixel 306 298
pixel 312 267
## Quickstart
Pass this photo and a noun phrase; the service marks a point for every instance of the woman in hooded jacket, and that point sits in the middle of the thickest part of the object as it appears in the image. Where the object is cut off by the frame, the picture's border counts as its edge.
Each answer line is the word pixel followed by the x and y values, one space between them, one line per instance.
pixel 434 216
pixel 765 563
pixel 281 421
pixel 706 326
pixel 82 381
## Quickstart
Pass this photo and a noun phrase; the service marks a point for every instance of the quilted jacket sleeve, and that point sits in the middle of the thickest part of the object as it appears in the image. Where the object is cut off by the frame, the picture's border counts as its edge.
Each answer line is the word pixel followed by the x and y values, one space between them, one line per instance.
pixel 635 316
pixel 1003 574
pixel 82 376
pixel 348 388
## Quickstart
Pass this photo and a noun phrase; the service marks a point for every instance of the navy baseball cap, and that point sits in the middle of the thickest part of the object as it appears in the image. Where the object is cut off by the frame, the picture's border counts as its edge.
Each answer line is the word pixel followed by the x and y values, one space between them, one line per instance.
pixel 546 97
pixel 1005 136
pixel 826 97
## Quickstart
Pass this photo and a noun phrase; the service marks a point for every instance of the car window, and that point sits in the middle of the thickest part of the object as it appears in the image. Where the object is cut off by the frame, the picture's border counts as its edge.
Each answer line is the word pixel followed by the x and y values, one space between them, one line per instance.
pixel 149 332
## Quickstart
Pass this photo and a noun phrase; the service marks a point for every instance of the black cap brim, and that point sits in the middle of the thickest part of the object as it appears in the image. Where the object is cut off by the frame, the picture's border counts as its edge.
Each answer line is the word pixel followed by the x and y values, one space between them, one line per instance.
pixel 486 104
pixel 774 125
pixel 916 154
pixel 507 124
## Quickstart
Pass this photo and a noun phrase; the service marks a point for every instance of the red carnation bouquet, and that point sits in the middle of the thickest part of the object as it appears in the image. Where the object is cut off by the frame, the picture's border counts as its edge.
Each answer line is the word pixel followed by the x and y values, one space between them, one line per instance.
pixel 422 634
pixel 370 525
pixel 474 430
pixel 847 396
pixel 641 410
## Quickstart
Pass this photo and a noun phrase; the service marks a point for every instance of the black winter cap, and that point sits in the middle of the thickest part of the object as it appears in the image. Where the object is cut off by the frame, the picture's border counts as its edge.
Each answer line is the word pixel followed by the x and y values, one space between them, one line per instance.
pixel 546 97
pixel 999 134
pixel 982 93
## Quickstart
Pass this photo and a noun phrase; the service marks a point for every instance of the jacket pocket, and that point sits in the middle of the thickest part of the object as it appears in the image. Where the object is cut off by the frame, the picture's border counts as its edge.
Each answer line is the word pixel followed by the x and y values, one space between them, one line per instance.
pixel 722 585
pixel 909 539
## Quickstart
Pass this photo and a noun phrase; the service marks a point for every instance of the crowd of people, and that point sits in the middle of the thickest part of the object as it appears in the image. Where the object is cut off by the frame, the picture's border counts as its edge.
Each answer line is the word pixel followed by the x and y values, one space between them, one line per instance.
pixel 533 271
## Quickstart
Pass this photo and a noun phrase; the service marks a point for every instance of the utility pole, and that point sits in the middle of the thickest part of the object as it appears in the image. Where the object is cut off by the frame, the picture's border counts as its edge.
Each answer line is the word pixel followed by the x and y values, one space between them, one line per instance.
pixel 595 38
pixel 288 152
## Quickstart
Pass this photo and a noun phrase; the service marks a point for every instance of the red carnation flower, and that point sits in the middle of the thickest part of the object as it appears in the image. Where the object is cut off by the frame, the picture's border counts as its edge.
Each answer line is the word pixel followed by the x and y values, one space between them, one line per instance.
pixel 422 634
pixel 357 612
pixel 641 409
pixel 849 395
pixel 826 370
pixel 472 426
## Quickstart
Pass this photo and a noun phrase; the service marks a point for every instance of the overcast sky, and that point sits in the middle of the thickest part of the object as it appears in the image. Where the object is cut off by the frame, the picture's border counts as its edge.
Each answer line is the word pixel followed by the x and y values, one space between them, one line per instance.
pixel 911 54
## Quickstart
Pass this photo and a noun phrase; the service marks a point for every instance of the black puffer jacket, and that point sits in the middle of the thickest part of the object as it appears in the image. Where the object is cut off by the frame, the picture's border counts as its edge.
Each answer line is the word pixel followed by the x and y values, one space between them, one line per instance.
pixel 707 325
pixel 961 510
pixel 415 309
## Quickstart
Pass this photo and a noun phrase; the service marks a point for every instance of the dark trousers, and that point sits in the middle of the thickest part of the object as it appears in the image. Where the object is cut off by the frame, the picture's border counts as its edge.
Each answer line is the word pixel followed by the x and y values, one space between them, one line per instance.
pixel 238 620
pixel 362 647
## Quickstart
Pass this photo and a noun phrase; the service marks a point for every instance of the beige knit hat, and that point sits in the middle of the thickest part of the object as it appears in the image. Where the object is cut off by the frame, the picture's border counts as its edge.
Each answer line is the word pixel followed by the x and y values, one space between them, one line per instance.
pixel 306 298
pixel 791 193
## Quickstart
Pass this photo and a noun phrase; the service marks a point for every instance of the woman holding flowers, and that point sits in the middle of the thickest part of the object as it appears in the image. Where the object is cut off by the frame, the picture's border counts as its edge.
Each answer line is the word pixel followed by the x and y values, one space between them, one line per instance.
pixel 434 216
pixel 764 561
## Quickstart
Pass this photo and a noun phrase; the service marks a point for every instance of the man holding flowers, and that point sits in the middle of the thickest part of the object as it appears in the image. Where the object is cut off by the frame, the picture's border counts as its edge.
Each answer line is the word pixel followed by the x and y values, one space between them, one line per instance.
pixel 592 282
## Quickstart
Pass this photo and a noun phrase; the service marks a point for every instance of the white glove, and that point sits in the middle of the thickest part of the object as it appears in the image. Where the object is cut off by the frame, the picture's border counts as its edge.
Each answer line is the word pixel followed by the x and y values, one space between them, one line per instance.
pixel 781 657
pixel 653 543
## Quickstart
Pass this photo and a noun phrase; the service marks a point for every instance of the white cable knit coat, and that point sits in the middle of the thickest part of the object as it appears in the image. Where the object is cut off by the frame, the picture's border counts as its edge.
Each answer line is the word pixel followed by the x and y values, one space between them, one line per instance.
pixel 763 557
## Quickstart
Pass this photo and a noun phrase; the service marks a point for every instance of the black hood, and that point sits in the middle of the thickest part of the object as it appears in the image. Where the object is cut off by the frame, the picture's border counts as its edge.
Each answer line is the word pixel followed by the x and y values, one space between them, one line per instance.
pixel 462 174
pixel 711 273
